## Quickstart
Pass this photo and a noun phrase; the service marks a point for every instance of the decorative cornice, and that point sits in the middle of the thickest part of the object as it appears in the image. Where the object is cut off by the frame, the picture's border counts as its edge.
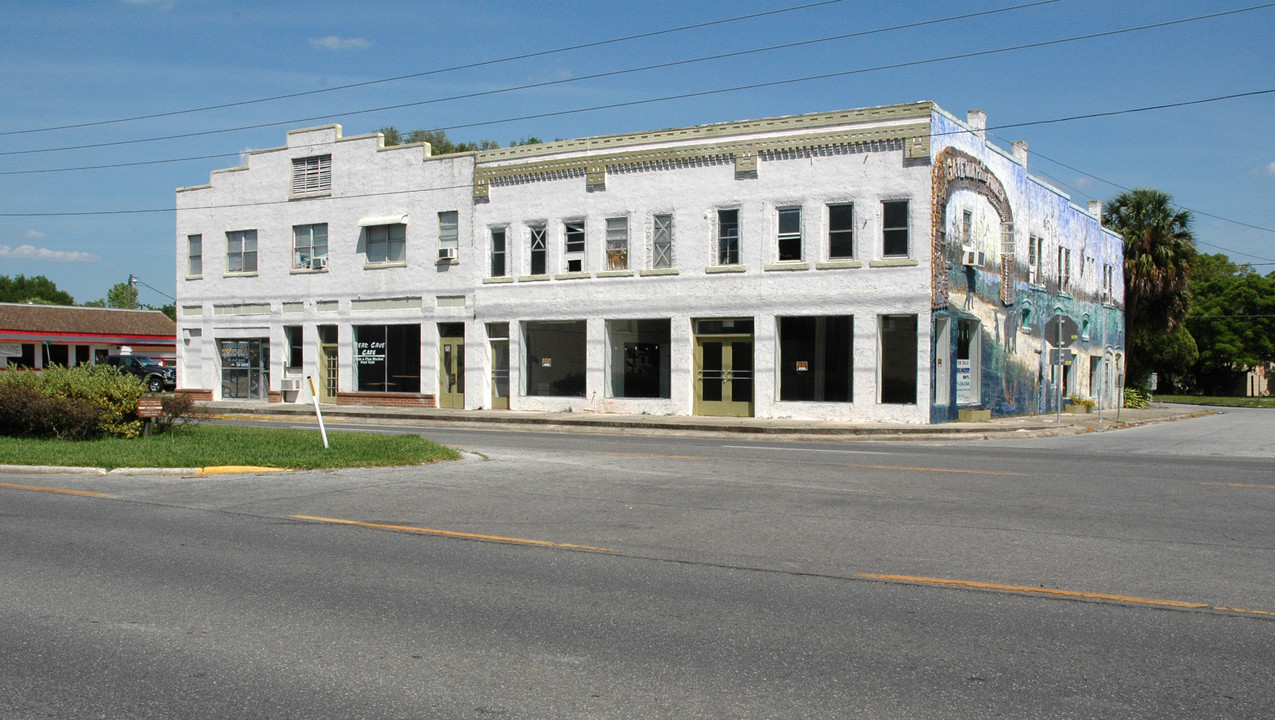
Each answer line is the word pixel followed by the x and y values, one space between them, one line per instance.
pixel 740 142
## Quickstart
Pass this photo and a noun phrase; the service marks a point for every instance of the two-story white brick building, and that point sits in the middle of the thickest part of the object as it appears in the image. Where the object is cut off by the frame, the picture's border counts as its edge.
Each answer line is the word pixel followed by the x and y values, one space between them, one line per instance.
pixel 882 264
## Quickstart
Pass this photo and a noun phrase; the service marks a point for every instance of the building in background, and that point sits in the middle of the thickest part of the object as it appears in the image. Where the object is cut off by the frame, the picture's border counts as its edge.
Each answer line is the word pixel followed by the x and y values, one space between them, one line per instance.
pixel 37 336
pixel 880 264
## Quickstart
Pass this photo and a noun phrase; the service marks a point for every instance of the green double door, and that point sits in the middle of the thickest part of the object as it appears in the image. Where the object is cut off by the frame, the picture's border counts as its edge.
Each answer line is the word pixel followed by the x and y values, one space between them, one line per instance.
pixel 724 375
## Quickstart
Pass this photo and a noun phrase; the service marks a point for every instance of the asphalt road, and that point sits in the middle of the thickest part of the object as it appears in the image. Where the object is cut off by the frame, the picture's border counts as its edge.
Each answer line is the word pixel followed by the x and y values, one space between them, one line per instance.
pixel 1121 575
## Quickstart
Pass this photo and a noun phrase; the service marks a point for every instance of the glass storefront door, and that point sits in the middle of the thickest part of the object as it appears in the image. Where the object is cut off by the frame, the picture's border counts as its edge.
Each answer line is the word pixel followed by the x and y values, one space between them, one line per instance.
pixel 245 369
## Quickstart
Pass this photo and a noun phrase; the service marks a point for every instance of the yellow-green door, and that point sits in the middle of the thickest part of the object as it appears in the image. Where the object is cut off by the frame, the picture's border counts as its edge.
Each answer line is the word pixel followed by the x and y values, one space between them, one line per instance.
pixel 724 376
pixel 500 374
pixel 451 373
pixel 328 373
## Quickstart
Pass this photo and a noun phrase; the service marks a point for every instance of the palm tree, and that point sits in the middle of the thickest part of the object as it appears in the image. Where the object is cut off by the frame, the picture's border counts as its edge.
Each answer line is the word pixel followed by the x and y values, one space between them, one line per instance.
pixel 1159 249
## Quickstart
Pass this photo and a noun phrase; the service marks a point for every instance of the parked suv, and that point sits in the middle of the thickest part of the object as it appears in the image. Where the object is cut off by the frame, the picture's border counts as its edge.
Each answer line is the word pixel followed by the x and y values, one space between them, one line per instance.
pixel 155 376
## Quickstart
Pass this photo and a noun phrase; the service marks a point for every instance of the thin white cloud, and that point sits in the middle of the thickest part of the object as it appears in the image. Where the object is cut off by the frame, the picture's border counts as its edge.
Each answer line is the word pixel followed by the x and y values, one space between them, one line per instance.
pixel 1270 169
pixel 1083 181
pixel 332 42
pixel 31 252
pixel 33 235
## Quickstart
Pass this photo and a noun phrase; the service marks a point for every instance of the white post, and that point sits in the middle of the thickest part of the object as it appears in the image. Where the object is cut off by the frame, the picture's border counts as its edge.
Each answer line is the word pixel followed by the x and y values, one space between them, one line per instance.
pixel 319 413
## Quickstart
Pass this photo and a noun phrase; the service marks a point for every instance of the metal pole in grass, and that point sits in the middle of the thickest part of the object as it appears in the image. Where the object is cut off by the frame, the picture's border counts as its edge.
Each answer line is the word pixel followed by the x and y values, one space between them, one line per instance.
pixel 315 397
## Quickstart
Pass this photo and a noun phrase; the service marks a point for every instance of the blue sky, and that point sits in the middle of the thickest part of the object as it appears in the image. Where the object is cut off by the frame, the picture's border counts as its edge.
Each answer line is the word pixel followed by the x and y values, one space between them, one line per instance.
pixel 70 63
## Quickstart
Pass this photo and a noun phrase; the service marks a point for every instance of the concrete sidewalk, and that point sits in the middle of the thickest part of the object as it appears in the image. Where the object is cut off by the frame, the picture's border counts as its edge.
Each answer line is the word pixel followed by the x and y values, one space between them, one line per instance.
pixel 1024 426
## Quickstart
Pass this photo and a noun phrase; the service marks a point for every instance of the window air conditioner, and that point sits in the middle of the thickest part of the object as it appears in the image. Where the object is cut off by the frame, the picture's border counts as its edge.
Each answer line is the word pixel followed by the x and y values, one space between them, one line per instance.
pixel 972 257
pixel 447 253
pixel 291 384
pixel 319 263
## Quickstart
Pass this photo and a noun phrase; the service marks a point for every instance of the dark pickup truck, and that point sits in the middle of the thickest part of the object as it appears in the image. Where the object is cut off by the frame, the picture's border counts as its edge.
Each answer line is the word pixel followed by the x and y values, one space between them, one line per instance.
pixel 156 377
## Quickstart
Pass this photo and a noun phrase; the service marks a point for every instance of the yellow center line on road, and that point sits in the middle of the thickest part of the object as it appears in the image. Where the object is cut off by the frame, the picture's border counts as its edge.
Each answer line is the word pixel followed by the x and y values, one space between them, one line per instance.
pixel 63 491
pixel 1028 590
pixel 1239 485
pixel 452 533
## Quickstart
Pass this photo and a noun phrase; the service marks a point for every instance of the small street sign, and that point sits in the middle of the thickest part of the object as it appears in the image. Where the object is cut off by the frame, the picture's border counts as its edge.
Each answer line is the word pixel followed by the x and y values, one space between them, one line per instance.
pixel 150 407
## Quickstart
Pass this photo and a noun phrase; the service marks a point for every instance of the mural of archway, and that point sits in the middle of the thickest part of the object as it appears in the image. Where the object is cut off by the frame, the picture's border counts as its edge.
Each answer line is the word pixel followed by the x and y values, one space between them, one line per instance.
pixel 958 170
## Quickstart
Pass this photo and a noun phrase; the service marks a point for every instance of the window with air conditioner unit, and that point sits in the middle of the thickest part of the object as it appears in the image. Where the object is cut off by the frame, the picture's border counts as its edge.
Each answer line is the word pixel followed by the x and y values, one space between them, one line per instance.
pixel 971 257
pixel 310 247
pixel 448 235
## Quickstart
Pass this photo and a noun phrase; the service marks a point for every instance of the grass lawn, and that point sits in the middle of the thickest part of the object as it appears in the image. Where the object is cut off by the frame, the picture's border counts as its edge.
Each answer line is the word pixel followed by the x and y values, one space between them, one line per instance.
pixel 208 445
pixel 1253 402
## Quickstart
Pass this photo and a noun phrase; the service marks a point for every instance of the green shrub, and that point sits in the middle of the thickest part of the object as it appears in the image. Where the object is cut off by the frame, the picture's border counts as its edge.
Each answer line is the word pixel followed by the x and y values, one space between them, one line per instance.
pixel 24 412
pixel 113 393
pixel 1136 398
pixel 179 410
pixel 1081 400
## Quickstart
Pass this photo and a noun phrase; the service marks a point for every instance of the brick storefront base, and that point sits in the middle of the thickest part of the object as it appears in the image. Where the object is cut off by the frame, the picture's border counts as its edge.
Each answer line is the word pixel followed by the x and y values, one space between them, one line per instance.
pixel 196 394
pixel 386 399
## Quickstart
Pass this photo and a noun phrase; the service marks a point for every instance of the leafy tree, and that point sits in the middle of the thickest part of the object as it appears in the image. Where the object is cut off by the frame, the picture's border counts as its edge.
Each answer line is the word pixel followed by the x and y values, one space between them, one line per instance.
pixel 38 290
pixel 1231 318
pixel 392 136
pixel 438 141
pixel 122 295
pixel 1158 250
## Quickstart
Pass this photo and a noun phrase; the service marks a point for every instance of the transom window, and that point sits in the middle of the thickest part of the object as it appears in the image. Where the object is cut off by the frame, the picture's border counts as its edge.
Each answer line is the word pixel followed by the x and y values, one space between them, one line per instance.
pixel 894 228
pixel 617 243
pixel 310 247
pixel 311 174
pixel 241 251
pixel 789 234
pixel 386 244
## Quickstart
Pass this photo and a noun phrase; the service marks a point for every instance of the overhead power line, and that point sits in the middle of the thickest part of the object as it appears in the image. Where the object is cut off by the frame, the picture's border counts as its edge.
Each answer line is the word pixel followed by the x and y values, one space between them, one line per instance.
pixel 439 71
pixel 1160 106
pixel 544 84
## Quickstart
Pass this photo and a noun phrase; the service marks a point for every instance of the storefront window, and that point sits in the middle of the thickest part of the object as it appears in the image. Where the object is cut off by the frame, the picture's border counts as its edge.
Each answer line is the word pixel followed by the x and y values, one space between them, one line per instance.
pixel 387 358
pixel 639 358
pixel 555 358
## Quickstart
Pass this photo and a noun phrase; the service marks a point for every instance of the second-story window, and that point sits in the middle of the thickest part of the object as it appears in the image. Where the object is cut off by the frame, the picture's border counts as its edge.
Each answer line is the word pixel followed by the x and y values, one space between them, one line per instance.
pixel 538 250
pixel 195 255
pixel 310 247
pixel 386 244
pixel 618 243
pixel 498 267
pixel 662 241
pixel 573 245
pixel 311 174
pixel 241 251
pixel 448 235
pixel 728 237
pixel 841 232
pixel 894 228
pixel 789 234
pixel 1035 250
